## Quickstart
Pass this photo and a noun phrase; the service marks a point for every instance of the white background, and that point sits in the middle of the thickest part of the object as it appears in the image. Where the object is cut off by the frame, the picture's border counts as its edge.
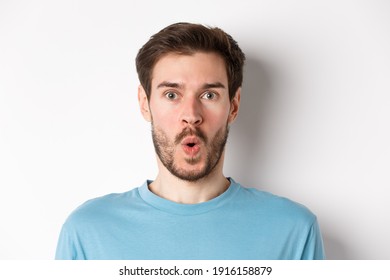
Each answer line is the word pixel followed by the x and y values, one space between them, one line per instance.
pixel 313 126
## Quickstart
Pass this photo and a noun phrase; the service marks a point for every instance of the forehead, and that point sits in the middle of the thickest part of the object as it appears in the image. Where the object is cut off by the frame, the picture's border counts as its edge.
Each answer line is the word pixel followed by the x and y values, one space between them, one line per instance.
pixel 193 69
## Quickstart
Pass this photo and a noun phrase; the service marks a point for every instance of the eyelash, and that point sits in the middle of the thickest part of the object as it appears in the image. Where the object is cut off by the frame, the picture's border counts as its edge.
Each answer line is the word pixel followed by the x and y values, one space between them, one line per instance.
pixel 171 92
pixel 203 96
pixel 209 92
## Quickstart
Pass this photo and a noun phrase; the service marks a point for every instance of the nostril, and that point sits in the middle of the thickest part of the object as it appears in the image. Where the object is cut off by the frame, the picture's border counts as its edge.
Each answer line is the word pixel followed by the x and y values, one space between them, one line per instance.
pixel 193 119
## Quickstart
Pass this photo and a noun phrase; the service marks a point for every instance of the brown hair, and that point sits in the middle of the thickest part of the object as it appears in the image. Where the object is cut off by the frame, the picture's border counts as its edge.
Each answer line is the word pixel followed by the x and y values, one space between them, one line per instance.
pixel 188 38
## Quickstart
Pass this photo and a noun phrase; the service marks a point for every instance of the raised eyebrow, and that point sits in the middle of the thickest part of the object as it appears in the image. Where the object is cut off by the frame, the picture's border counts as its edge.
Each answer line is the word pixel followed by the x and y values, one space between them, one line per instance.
pixel 213 85
pixel 169 85
pixel 180 86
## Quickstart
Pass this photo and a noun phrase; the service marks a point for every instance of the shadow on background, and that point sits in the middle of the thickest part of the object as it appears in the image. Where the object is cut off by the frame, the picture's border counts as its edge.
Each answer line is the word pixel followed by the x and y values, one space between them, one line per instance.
pixel 334 249
pixel 259 105
pixel 247 131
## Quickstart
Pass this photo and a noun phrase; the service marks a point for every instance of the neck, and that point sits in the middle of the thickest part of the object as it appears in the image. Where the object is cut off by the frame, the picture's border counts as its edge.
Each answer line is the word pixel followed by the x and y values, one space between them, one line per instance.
pixel 172 188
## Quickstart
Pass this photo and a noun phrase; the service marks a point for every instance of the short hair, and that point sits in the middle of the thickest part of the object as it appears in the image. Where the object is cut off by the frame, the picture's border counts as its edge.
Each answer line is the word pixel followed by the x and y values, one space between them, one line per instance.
pixel 188 38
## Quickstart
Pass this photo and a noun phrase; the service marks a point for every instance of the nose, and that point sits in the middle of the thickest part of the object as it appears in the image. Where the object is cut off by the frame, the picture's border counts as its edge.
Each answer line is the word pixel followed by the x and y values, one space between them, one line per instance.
pixel 191 113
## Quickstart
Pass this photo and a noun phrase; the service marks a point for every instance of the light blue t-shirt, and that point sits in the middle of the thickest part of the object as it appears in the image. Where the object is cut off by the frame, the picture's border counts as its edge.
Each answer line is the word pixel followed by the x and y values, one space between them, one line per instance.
pixel 241 223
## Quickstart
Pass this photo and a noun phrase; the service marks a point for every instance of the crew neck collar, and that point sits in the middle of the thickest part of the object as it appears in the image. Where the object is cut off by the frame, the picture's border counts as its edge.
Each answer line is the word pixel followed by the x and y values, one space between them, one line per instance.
pixel 186 209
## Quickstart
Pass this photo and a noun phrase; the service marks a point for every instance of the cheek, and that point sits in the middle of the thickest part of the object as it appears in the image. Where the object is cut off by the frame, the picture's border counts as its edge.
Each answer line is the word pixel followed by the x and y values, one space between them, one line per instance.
pixel 218 118
pixel 165 121
pixel 160 112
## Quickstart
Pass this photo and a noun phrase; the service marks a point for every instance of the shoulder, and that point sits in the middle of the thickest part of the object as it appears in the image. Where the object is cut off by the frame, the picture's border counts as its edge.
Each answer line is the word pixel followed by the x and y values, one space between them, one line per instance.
pixel 101 208
pixel 274 206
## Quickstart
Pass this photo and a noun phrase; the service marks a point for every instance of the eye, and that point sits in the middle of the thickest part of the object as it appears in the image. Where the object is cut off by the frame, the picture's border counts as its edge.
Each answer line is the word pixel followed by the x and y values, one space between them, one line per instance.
pixel 171 95
pixel 209 95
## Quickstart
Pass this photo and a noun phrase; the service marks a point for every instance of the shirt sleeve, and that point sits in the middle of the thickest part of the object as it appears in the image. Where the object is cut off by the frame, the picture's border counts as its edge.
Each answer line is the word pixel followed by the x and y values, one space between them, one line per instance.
pixel 67 248
pixel 314 248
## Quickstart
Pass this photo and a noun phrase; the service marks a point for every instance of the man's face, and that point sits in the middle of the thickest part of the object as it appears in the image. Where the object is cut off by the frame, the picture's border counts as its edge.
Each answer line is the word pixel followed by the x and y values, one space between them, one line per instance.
pixel 190 111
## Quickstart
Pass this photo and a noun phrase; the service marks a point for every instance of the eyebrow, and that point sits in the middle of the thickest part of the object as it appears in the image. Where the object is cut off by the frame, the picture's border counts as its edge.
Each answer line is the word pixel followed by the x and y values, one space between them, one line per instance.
pixel 179 86
pixel 213 85
pixel 169 84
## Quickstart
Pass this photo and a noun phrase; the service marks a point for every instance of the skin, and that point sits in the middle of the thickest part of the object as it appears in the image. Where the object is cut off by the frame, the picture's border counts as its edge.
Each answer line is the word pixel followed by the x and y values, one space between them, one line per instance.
pixel 189 93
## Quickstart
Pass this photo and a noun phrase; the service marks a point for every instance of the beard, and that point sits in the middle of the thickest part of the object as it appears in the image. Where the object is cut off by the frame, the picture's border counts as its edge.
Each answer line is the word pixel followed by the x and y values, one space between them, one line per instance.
pixel 165 150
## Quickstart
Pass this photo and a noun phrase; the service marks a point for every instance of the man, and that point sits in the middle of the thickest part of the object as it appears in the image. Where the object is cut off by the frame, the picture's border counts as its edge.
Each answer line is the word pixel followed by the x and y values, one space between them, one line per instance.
pixel 190 90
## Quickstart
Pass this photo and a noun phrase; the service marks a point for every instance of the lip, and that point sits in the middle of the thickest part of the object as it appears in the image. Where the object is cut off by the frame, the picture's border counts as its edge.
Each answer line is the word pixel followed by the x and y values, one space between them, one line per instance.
pixel 191 150
pixel 190 140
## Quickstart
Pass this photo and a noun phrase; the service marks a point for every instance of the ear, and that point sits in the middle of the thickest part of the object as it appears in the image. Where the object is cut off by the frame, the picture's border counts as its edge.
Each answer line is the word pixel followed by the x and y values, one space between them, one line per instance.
pixel 234 106
pixel 144 104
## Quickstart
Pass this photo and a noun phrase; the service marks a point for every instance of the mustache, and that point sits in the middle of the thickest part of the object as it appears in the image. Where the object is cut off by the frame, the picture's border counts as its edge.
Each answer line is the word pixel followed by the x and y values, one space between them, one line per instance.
pixel 190 132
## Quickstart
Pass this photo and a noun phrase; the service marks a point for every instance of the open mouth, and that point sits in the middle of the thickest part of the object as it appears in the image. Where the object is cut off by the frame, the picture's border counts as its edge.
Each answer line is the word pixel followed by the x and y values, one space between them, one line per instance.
pixel 190 141
pixel 191 145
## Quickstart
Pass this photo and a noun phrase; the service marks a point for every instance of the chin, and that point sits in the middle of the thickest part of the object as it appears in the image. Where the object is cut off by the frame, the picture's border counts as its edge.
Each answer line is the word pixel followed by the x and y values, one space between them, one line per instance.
pixel 190 174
